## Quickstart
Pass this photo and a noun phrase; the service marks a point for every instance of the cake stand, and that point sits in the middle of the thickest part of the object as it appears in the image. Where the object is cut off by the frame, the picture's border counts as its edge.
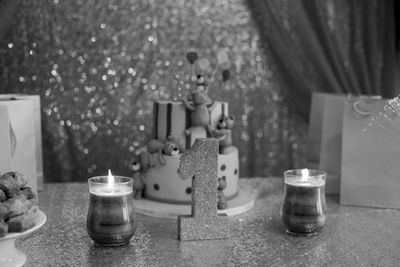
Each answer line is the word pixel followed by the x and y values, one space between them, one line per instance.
pixel 11 256
pixel 243 202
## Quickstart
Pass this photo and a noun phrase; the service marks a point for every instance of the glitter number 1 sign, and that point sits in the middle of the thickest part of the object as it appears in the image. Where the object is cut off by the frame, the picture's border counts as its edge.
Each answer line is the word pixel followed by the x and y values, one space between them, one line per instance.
pixel 200 163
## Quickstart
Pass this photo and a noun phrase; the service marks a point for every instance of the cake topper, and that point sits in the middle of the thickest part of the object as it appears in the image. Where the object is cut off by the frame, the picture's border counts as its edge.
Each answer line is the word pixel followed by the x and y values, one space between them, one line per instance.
pixel 198 100
pixel 200 163
pixel 200 108
pixel 225 75
pixel 192 57
pixel 201 84
pixel 224 133
pixel 204 64
pixel 222 58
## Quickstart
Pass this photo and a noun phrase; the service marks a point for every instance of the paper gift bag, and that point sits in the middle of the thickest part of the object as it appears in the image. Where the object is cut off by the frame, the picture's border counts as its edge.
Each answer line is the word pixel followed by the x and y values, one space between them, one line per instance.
pixel 325 132
pixel 18 149
pixel 331 141
pixel 321 115
pixel 38 132
pixel 370 173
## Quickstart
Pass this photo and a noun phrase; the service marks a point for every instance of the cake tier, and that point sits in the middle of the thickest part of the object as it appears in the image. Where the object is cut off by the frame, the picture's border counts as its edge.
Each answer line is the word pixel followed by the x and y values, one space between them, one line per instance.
pixel 171 118
pixel 163 183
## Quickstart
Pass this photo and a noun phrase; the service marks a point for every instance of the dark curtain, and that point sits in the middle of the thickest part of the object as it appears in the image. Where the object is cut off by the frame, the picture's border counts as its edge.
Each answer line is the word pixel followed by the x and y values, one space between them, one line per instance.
pixel 340 46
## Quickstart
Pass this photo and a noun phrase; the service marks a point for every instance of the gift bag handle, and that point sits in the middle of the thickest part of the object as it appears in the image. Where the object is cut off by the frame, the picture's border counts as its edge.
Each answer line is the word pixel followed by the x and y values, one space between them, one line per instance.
pixel 359 110
pixel 13 140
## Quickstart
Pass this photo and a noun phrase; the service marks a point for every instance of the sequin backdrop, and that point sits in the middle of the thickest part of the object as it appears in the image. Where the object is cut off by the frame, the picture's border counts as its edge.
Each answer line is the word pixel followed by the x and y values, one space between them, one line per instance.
pixel 98 65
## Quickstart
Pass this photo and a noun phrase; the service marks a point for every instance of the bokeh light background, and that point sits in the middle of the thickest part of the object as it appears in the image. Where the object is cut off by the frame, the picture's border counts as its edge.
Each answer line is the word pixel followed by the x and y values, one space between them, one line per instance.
pixel 98 65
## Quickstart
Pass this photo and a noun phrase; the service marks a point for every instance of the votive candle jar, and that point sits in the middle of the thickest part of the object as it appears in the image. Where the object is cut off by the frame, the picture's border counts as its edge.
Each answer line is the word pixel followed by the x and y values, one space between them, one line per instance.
pixel 303 209
pixel 111 217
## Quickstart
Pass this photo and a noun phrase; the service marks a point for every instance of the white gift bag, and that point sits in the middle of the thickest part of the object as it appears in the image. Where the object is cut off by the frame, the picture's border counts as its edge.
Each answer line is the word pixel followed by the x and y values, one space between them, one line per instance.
pixel 38 137
pixel 18 139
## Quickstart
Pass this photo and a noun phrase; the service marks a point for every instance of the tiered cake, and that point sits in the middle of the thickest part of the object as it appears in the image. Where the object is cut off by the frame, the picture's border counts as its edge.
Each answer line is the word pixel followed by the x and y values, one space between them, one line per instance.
pixel 171 121
pixel 177 124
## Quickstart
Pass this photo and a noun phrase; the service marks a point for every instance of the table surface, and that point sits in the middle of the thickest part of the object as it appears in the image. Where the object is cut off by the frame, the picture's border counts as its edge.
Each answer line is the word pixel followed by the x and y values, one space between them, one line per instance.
pixel 352 236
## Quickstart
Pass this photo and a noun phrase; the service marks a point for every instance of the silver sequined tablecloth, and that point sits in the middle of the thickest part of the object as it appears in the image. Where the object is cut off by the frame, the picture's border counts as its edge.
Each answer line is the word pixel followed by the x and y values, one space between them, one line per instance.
pixel 352 236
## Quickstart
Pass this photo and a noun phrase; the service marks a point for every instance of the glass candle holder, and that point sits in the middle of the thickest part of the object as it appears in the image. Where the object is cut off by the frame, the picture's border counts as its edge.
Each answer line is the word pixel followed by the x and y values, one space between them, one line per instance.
pixel 303 209
pixel 111 217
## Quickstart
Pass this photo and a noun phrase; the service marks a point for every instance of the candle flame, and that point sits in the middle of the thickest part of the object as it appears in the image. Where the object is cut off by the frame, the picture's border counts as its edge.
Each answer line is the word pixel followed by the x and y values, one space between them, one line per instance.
pixel 110 179
pixel 305 173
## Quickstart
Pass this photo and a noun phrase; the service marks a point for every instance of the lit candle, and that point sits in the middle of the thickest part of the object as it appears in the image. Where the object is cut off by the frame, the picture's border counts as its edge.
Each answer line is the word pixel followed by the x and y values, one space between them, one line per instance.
pixel 110 220
pixel 303 207
pixel 110 187
pixel 110 180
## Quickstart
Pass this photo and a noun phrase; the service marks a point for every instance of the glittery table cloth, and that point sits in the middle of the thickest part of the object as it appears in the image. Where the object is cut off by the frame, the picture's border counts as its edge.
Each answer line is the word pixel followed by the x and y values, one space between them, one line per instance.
pixel 352 236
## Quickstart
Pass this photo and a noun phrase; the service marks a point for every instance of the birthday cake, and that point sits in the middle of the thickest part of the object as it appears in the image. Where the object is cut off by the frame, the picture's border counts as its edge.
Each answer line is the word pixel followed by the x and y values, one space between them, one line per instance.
pixel 176 125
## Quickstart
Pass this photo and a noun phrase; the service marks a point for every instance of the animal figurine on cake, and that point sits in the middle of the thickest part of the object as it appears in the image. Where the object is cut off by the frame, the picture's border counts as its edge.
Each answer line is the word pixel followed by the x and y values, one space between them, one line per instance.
pixel 170 147
pixel 138 180
pixel 146 156
pixel 201 83
pixel 222 203
pixel 200 105
pixel 224 128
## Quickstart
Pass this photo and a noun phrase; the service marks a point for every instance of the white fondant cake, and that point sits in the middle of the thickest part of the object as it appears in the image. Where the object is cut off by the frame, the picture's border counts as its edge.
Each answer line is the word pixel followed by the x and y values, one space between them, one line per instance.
pixel 163 183
pixel 171 119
